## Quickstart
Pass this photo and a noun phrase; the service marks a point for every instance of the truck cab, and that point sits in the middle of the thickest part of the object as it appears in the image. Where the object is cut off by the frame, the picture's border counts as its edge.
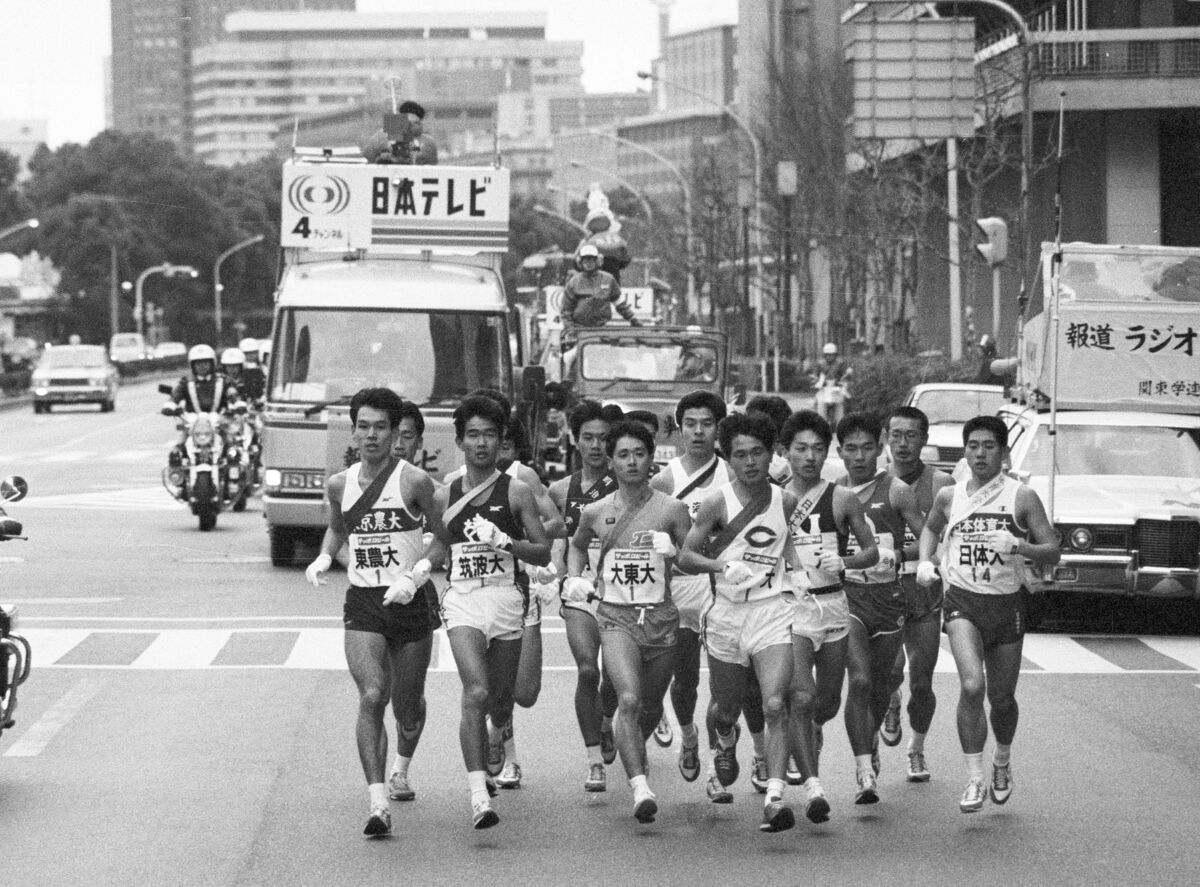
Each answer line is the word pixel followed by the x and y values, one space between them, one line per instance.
pixel 391 278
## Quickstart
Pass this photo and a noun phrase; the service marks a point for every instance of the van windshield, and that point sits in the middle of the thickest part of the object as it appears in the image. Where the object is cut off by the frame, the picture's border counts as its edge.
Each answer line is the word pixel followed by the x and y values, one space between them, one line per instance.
pixel 323 354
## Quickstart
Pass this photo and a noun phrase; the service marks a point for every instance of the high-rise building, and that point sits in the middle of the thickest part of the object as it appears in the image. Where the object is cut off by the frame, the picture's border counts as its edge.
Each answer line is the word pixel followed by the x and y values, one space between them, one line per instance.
pixel 21 138
pixel 276 69
pixel 152 46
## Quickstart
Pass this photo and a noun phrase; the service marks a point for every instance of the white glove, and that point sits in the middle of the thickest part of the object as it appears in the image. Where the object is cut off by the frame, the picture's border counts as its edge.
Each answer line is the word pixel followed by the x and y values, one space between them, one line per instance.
pixel 576 590
pixel 887 559
pixel 736 572
pixel 483 530
pixel 830 562
pixel 402 591
pixel 1002 542
pixel 926 573
pixel 316 568
pixel 547 592
pixel 545 575
pixel 426 540
pixel 662 544
pixel 420 572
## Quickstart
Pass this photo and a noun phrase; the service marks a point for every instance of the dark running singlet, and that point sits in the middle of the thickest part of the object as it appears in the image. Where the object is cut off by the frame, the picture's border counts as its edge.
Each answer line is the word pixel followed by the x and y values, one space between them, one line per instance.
pixel 885 524
pixel 475 564
pixel 578 498
pixel 819 532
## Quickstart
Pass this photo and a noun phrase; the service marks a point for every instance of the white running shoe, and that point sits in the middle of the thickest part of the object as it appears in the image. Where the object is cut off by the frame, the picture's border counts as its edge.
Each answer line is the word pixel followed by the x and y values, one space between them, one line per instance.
pixel 917 771
pixel 399 788
pixel 645 806
pixel 510 776
pixel 1002 782
pixel 972 799
pixel 868 788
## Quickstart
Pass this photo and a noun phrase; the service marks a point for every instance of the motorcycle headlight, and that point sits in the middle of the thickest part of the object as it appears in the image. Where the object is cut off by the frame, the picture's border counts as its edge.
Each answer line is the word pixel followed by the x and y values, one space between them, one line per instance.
pixel 203 434
pixel 176 477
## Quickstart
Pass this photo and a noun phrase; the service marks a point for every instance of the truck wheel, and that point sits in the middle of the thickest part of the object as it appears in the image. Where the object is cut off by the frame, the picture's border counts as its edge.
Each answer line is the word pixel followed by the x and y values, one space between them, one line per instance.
pixel 283 546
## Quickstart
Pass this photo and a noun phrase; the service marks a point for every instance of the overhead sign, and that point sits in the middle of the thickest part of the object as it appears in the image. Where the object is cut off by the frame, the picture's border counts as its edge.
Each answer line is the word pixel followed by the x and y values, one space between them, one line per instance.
pixel 394 208
pixel 640 299
pixel 913 79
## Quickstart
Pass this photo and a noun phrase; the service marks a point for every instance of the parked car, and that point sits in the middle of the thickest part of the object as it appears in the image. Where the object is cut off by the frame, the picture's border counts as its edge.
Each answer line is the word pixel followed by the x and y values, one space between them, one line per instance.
pixel 1126 498
pixel 167 350
pixel 127 348
pixel 74 374
pixel 949 405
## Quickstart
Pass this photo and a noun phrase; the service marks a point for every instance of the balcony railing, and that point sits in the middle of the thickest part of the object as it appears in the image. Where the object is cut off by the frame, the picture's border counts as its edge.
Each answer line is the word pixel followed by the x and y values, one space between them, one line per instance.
pixel 1142 52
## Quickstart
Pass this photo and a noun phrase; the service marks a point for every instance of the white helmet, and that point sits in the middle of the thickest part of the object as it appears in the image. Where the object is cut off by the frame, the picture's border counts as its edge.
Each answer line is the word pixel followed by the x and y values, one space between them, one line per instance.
pixel 829 348
pixel 199 353
pixel 249 347
pixel 232 357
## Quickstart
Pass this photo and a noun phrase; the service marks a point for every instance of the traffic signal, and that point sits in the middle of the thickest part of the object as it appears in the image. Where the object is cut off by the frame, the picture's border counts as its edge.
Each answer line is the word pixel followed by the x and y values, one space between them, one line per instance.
pixel 995 251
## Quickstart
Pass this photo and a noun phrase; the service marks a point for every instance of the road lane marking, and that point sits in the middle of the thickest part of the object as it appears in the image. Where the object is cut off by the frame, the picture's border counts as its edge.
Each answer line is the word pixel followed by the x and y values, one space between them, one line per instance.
pixel 1185 650
pixel 135 499
pixel 182 648
pixel 45 728
pixel 1057 653
pixel 52 644
pixel 40 601
pixel 321 648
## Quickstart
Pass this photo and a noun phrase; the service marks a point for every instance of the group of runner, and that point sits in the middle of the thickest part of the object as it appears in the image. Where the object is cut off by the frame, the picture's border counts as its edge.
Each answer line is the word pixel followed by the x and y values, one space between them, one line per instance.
pixel 740 545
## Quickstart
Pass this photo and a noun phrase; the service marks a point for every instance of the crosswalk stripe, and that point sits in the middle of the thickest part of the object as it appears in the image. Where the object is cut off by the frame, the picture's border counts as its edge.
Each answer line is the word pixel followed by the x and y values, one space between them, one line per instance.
pixel 322 649
pixel 182 648
pixel 137 499
pixel 1057 653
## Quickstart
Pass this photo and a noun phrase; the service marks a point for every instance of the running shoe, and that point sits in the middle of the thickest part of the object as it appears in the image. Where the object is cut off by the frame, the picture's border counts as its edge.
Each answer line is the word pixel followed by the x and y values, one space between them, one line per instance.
pixel 495 755
pixel 891 730
pixel 608 745
pixel 1002 782
pixel 917 771
pixel 793 774
pixel 716 792
pixel 379 824
pixel 510 776
pixel 399 788
pixel 725 759
pixel 645 806
pixel 777 817
pixel 875 762
pixel 482 815
pixel 868 789
pixel 491 786
pixel 689 761
pixel 664 734
pixel 973 796
pixel 596 780
pixel 759 774
pixel 816 807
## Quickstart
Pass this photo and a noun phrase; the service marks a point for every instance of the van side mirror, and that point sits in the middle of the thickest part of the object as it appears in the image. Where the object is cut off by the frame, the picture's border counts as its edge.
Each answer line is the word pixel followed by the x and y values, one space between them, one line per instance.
pixel 533 383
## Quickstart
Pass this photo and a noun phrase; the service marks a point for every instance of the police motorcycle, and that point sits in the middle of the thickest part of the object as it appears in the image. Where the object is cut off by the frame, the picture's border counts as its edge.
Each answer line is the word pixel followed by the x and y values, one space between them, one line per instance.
pixel 242 428
pixel 15 654
pixel 206 469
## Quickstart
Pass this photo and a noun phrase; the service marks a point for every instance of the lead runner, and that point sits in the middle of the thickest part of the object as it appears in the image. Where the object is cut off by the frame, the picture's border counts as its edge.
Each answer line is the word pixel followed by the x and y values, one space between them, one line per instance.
pixel 640 530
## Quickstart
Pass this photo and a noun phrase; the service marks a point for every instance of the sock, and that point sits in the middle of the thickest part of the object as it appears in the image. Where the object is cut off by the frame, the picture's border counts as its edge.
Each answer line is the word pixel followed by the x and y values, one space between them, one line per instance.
pixel 974 766
pixel 1002 755
pixel 691 736
pixel 726 740
pixel 594 756
pixel 760 744
pixel 712 768
pixel 606 724
pixel 510 749
pixel 477 780
pixel 863 763
pixel 639 784
pixel 775 790
pixel 378 793
pixel 811 784
pixel 401 765
pixel 916 742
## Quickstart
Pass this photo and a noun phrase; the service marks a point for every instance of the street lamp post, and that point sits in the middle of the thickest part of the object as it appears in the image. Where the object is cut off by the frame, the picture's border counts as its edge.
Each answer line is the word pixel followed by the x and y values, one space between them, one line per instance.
pixel 20 226
pixel 166 269
pixel 217 288
pixel 609 174
pixel 567 220
pixel 687 204
pixel 755 147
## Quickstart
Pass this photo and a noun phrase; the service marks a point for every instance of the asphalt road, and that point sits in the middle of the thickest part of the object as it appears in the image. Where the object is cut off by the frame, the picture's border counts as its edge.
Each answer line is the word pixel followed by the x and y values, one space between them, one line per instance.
pixel 189 720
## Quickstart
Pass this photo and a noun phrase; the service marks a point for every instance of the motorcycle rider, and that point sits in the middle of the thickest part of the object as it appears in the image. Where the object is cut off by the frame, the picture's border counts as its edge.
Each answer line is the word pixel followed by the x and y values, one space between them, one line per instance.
pixel 203 391
pixel 253 381
pixel 832 376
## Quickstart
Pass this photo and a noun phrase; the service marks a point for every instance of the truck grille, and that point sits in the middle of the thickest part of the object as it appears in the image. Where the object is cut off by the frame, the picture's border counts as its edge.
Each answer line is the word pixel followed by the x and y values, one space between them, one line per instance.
pixel 1167 543
pixel 950 454
pixel 68 382
pixel 1111 537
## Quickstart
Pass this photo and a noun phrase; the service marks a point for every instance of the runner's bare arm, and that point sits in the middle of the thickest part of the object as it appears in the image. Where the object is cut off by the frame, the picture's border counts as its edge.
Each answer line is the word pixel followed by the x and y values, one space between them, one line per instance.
pixel 708 522
pixel 423 492
pixel 535 547
pixel 558 495
pixel 679 521
pixel 552 520
pixel 904 502
pixel 663 482
pixel 335 534
pixel 577 550
pixel 848 512
pixel 441 501
pixel 1030 512
pixel 935 522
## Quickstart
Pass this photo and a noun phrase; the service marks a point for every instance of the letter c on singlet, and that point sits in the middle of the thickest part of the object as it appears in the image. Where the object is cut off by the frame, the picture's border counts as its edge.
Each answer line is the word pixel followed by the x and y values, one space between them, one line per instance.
pixel 760 537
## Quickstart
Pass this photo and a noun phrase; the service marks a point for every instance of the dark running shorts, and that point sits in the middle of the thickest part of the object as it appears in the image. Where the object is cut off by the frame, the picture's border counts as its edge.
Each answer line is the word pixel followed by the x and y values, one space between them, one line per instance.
pixel 652 628
pixel 880 607
pixel 1000 618
pixel 364 611
pixel 921 601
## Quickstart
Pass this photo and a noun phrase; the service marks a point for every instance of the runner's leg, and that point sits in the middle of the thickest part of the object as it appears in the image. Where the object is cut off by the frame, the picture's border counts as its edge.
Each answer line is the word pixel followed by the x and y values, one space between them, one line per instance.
pixel 367 656
pixel 583 637
pixel 623 662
